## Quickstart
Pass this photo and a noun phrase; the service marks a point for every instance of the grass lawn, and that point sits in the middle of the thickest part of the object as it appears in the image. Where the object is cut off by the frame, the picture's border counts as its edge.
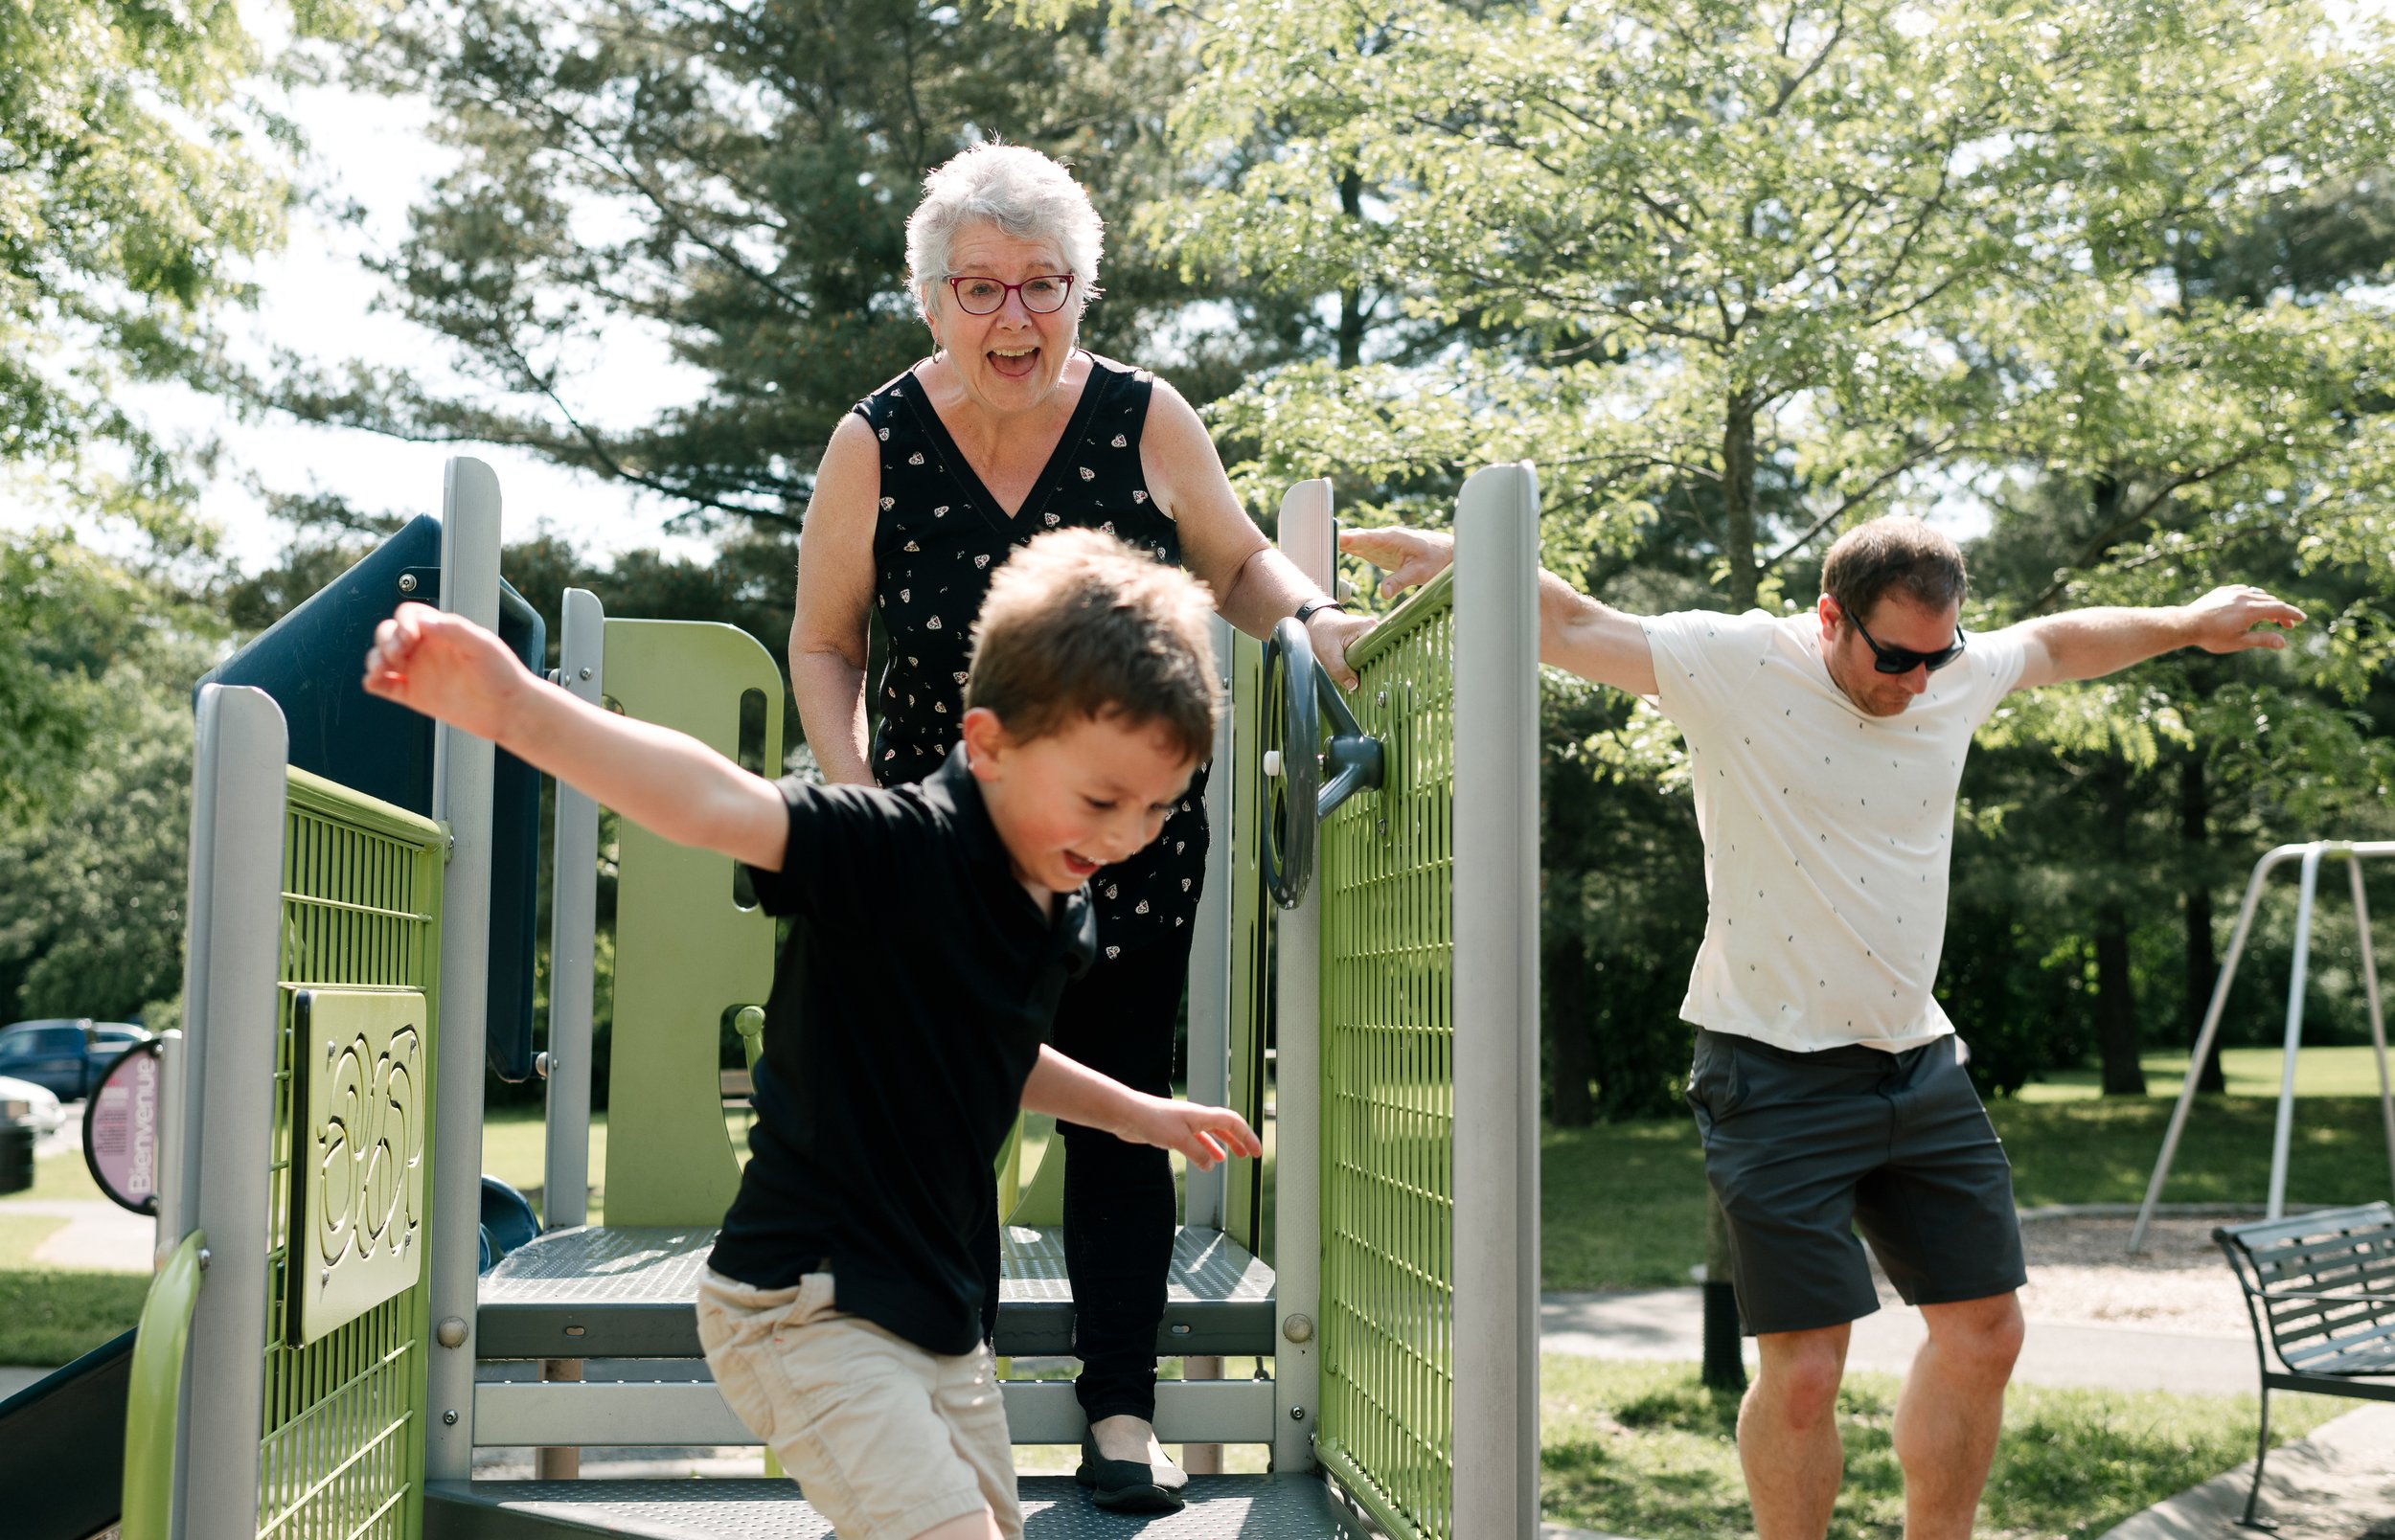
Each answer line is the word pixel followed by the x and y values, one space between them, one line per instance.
pixel 1621 1205
pixel 49 1315
pixel 2250 1071
pixel 1644 1449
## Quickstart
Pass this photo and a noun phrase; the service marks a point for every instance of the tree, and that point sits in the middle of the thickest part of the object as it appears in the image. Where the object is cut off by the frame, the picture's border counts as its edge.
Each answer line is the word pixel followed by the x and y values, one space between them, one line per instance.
pixel 1791 265
pixel 97 662
pixel 143 167
pixel 1734 277
pixel 735 183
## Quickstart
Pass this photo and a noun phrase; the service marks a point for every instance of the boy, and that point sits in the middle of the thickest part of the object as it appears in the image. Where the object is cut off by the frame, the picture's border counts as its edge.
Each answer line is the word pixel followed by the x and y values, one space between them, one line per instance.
pixel 842 1311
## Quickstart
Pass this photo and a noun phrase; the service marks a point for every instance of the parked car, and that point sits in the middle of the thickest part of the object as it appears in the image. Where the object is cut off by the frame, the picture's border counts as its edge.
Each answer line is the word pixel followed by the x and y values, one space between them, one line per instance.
pixel 18 1133
pixel 64 1055
pixel 23 1101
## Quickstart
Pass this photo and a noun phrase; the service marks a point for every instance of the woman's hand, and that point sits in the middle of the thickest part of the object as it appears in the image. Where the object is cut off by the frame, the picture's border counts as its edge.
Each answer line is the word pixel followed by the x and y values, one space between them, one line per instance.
pixel 1408 557
pixel 1333 632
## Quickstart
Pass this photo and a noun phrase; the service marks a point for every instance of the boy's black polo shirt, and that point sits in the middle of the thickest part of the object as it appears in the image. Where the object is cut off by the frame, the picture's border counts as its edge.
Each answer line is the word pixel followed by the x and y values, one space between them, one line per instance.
pixel 908 1008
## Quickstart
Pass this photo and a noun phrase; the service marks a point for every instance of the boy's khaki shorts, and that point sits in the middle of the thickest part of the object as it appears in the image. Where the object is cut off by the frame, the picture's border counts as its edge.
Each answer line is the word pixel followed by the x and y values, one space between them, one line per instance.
pixel 886 1439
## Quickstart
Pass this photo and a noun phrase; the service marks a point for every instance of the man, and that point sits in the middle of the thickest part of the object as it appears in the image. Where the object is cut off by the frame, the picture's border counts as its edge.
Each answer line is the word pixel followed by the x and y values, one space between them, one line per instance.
pixel 1824 750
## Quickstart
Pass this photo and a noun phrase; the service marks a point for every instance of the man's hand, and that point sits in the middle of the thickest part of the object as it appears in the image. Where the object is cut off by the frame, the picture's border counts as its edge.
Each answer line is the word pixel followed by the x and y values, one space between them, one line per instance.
pixel 2225 619
pixel 1333 632
pixel 1208 1135
pixel 446 667
pixel 1408 557
pixel 2089 644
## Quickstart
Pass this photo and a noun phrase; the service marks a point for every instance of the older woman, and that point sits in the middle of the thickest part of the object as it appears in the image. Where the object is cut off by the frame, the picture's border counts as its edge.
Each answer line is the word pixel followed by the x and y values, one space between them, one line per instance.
pixel 1006 431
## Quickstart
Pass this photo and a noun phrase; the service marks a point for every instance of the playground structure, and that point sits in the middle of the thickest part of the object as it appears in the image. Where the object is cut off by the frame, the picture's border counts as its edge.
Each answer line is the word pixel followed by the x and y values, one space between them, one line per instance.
pixel 2309 856
pixel 320 1355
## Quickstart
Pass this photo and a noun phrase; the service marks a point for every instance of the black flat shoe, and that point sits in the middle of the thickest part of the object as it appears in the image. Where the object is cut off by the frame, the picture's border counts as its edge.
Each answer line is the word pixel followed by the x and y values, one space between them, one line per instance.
pixel 1124 1486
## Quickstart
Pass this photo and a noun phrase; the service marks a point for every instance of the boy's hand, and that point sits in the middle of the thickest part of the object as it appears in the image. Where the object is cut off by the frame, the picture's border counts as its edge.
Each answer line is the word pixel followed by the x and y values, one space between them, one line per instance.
pixel 1208 1135
pixel 1410 556
pixel 446 667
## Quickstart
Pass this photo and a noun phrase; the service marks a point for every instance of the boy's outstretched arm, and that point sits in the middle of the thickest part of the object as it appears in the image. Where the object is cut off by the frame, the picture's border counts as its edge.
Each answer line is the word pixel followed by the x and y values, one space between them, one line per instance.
pixel 448 668
pixel 2088 643
pixel 1074 1092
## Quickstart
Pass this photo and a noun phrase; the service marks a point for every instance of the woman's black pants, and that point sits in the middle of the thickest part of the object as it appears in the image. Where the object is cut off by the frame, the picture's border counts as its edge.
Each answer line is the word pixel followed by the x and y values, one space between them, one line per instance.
pixel 1120 1207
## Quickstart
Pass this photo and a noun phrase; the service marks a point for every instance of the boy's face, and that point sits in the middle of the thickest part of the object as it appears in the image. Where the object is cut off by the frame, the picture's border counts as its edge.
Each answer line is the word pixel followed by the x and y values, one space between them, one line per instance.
pixel 1088 795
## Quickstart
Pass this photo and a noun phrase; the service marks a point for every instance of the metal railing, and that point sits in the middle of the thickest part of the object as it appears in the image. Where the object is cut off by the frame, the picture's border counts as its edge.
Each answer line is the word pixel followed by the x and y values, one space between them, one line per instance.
pixel 1428 1047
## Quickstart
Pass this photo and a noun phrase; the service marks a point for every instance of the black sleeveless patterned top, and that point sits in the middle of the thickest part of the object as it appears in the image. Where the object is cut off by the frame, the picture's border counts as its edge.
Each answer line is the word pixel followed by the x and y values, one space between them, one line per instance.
pixel 939 536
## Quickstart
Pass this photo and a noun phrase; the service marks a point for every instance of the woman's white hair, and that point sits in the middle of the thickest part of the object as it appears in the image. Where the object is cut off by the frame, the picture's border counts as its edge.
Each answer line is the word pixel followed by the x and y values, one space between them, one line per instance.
pixel 1014 187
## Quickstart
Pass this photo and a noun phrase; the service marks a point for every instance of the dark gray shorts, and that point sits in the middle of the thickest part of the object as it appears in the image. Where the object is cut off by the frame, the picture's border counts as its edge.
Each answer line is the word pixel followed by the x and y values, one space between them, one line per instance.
pixel 1802 1149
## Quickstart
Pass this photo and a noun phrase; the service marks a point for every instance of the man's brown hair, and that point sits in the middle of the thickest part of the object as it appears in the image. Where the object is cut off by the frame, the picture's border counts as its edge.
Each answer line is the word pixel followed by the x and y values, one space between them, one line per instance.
pixel 1079 624
pixel 1897 553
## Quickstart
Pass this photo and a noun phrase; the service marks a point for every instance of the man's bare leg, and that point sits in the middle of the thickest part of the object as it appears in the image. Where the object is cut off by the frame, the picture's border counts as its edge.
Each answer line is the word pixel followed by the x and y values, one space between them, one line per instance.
pixel 1787 1439
pixel 1951 1411
pixel 969 1527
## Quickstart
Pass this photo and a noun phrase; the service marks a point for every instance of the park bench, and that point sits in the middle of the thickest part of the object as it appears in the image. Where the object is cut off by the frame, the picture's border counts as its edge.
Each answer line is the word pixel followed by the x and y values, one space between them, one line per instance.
pixel 2320 1289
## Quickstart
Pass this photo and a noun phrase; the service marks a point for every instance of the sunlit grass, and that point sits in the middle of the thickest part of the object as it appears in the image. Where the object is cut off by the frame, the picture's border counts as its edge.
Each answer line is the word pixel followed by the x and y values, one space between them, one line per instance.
pixel 2250 1071
pixel 1621 1205
pixel 1645 1449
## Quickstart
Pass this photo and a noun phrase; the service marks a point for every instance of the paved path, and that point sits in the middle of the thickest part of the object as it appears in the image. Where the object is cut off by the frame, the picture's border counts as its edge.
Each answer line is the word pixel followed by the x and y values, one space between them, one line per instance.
pixel 1669 1324
pixel 2337 1484
pixel 98 1236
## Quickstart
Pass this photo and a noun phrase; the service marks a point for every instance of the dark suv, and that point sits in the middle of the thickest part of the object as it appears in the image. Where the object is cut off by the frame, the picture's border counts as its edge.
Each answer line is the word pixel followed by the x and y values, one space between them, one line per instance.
pixel 64 1055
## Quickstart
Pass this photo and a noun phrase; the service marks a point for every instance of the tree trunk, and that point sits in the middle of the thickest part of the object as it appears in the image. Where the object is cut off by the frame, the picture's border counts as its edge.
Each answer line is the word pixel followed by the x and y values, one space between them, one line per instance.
pixel 1571 1053
pixel 1724 1367
pixel 1351 296
pixel 1738 499
pixel 2117 1010
pixel 2203 965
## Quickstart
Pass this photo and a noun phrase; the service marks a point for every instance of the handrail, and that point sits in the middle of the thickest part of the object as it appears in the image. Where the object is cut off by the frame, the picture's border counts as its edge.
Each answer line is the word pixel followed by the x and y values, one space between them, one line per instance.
pixel 156 1392
pixel 1420 608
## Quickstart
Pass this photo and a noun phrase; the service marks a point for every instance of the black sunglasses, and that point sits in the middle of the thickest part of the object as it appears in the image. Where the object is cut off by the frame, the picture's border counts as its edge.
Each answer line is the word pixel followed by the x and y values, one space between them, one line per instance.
pixel 1889 660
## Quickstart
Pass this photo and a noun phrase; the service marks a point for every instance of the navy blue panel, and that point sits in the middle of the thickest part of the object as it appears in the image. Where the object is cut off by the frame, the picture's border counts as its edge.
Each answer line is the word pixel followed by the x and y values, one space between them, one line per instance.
pixel 312 661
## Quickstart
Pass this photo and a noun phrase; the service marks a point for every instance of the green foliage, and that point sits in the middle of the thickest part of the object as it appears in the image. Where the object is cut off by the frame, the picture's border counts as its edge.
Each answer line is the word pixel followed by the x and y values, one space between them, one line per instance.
pixel 733 183
pixel 97 662
pixel 1737 277
pixel 139 169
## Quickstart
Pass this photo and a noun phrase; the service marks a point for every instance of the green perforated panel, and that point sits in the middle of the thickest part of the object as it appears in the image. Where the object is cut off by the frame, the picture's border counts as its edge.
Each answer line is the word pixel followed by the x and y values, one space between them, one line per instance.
pixel 342 1451
pixel 1386 878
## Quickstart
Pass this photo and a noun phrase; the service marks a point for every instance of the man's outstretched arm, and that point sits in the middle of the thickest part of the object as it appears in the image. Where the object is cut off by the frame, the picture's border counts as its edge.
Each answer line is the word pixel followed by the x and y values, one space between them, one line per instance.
pixel 2090 643
pixel 1575 632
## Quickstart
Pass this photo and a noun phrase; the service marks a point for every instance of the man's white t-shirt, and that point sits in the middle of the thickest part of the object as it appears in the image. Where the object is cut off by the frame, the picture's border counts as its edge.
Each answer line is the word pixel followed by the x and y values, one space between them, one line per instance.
pixel 1827 832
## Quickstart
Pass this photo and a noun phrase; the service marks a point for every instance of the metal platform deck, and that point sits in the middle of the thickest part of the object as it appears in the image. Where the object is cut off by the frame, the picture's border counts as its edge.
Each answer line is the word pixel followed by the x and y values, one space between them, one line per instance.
pixel 1220 1507
pixel 594 1292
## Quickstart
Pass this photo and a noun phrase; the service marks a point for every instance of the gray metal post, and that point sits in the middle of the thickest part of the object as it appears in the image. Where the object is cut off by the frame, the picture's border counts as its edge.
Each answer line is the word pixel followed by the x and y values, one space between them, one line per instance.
pixel 2370 992
pixel 573 917
pixel 460 799
pixel 1205 1193
pixel 230 1022
pixel 1497 1004
pixel 1297 1088
pixel 174 1116
pixel 2282 1137
pixel 2204 1041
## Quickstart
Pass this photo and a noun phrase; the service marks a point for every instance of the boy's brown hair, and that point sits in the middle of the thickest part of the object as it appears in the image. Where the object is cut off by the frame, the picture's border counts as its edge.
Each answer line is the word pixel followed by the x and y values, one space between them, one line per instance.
pixel 1893 552
pixel 1079 624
